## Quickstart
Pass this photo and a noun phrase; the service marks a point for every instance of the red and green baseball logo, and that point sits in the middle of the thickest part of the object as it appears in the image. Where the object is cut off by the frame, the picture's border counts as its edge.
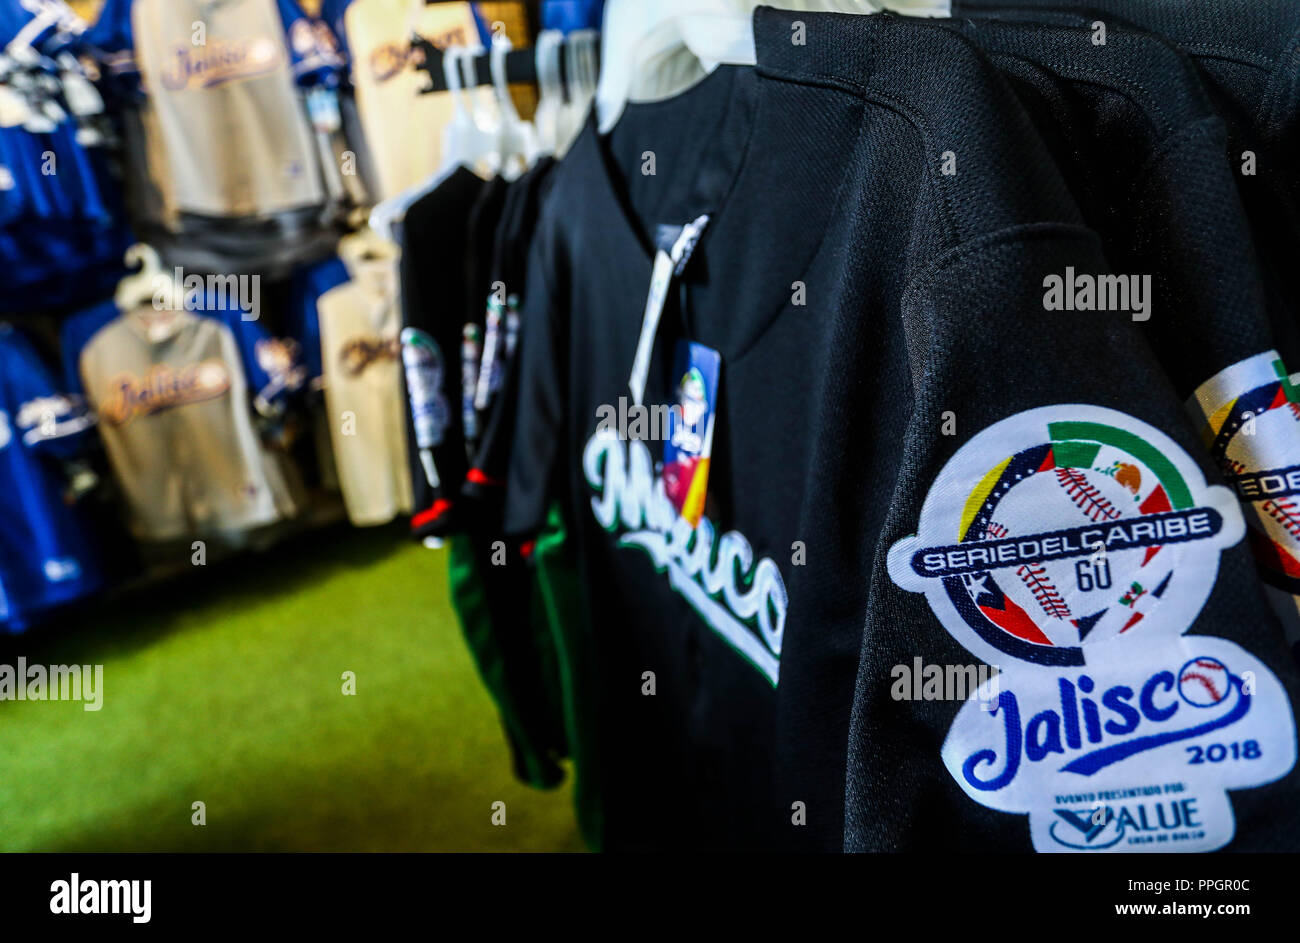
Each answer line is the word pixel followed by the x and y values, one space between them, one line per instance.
pixel 1062 527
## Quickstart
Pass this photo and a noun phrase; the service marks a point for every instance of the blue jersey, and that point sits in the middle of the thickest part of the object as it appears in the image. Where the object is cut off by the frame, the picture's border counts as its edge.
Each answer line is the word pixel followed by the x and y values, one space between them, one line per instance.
pixel 60 214
pixel 46 555
pixel 570 15
pixel 308 284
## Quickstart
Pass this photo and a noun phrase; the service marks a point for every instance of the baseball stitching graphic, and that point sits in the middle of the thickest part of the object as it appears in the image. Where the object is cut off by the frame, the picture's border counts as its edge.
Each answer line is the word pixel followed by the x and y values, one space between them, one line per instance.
pixel 1203 682
pixel 1085 497
pixel 1047 595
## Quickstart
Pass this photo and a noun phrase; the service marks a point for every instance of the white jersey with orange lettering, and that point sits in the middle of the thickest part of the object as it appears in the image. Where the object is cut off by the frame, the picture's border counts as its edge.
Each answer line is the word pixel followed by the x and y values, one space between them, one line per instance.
pixel 172 393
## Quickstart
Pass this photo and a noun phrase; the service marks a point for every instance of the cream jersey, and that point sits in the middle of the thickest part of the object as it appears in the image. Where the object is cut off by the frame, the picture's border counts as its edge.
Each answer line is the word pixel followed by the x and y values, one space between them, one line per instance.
pixel 229 132
pixel 360 323
pixel 402 127
pixel 173 401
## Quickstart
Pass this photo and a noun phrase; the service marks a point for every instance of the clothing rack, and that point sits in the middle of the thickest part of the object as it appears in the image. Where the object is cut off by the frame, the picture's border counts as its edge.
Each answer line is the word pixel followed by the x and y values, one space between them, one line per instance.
pixel 521 66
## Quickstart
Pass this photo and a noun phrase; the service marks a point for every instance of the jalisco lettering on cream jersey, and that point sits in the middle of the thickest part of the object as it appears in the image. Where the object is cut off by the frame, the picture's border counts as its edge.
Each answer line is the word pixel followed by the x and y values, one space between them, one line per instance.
pixel 162 387
pixel 361 350
pixel 225 122
pixel 220 61
pixel 360 324
pixel 173 392
pixel 741 599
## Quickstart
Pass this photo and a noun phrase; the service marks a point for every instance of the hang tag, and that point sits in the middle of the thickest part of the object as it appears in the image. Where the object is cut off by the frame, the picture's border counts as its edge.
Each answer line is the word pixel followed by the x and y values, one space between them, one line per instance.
pixel 323 107
pixel 690 429
pixel 669 262
pixel 471 350
pixel 426 378
pixel 490 372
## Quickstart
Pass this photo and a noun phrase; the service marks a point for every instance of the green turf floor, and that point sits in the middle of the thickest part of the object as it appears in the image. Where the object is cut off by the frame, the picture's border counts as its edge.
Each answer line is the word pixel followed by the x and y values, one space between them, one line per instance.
pixel 225 687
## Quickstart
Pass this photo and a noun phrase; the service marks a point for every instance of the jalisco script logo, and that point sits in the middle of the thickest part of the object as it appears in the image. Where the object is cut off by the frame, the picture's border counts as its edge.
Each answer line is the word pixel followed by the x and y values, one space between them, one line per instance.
pixel 163 387
pixel 1093 729
pixel 741 599
pixel 1083 543
pixel 220 61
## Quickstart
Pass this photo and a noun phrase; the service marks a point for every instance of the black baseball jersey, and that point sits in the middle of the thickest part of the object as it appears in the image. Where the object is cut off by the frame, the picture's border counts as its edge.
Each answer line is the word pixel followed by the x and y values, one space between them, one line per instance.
pixel 513 237
pixel 433 305
pixel 914 459
pixel 494 592
pixel 1132 129
pixel 1248 54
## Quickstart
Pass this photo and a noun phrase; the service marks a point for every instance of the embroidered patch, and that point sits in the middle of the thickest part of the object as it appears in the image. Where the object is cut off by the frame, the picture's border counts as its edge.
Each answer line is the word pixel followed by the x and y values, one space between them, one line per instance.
pixel 1072 546
pixel 1250 421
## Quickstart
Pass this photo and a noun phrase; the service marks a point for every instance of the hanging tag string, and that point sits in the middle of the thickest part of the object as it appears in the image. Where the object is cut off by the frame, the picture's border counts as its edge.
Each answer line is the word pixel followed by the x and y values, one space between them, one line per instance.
pixel 668 264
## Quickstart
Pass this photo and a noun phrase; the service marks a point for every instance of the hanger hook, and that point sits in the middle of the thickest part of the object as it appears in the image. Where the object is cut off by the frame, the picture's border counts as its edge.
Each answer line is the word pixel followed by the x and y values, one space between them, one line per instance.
pixel 549 43
pixel 449 66
pixel 497 62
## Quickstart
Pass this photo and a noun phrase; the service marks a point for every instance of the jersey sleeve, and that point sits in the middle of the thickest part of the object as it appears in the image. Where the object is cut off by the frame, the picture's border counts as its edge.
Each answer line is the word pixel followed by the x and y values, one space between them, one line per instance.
pixel 47 26
pixel 75 333
pixel 1032 396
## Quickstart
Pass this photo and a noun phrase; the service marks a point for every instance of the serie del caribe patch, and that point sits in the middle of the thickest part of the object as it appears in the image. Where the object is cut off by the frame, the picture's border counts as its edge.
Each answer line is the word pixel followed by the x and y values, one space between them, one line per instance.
pixel 1073 546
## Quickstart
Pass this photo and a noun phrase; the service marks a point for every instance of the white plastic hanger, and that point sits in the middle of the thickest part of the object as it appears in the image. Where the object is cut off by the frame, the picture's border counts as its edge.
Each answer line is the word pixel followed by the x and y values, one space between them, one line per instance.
pixel 485 114
pixel 517 147
pixel 147 286
pixel 583 74
pixel 648 48
pixel 467 138
pixel 550 98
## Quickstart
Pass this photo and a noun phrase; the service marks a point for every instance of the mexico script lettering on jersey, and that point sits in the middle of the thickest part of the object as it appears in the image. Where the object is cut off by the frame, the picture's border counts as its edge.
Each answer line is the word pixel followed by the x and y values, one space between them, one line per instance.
pixel 1073 546
pixel 741 599
pixel 163 387
pixel 219 61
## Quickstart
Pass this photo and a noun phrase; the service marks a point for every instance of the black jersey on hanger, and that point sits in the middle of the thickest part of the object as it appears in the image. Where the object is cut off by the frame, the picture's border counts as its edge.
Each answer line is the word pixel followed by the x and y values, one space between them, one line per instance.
pixel 513 238
pixel 1131 127
pixel 1248 53
pixel 1132 130
pixel 873 276
pixel 434 302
